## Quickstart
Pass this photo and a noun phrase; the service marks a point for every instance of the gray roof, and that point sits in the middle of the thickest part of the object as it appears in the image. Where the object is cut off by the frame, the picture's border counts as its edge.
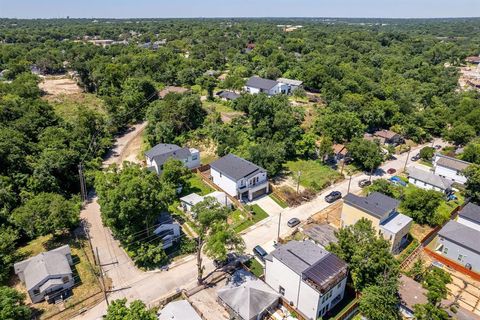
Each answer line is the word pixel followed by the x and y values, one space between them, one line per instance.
pixel 290 82
pixel 323 234
pixel 44 265
pixel 178 310
pixel 461 234
pixel 261 83
pixel 161 152
pixel 429 178
pixel 229 95
pixel 376 204
pixel 235 167
pixel 451 163
pixel 298 255
pixel 471 212
pixel 247 295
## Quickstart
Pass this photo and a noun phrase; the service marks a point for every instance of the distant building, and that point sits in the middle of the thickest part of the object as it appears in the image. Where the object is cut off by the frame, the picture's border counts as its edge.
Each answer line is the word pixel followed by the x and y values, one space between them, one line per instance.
pixel 309 277
pixel 256 85
pixel 381 210
pixel 159 154
pixel 388 137
pixel 292 84
pixel 187 202
pixel 246 297
pixel 178 310
pixel 47 276
pixel 450 168
pixel 228 95
pixel 473 59
pixel 428 180
pixel 238 177
pixel 169 233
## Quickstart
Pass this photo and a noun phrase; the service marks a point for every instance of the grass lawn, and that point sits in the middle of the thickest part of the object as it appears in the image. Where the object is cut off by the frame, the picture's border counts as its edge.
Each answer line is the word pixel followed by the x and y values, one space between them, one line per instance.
pixel 426 163
pixel 197 186
pixel 217 106
pixel 279 201
pixel 314 175
pixel 87 285
pixel 67 106
pixel 255 267
pixel 258 215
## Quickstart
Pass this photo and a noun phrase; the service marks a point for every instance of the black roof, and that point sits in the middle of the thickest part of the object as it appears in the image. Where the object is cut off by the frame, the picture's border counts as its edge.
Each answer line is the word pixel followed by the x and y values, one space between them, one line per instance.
pixel 261 83
pixel 471 212
pixel 235 167
pixel 376 204
pixel 161 152
pixel 229 95
pixel 326 272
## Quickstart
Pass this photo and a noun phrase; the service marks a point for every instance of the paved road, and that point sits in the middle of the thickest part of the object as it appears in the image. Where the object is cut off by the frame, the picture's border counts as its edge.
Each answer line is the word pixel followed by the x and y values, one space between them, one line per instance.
pixel 131 283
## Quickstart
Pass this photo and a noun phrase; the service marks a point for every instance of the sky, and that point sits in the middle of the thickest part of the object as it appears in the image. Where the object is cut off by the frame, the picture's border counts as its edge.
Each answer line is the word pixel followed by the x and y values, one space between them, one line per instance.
pixel 238 8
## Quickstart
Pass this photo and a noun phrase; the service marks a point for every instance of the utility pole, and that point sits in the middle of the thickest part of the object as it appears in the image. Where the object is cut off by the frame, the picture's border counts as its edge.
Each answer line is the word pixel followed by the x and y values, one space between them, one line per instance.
pixel 406 160
pixel 101 277
pixel 83 184
pixel 349 183
pixel 279 221
pixel 343 165
pixel 298 180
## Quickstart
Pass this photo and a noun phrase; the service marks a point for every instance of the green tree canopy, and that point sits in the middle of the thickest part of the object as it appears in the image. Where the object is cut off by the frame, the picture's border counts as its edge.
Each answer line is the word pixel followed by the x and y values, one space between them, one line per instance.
pixel 12 306
pixel 136 310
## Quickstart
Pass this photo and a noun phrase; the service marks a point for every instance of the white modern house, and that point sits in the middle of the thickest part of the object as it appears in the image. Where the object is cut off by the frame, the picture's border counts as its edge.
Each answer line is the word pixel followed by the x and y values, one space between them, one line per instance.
pixel 256 85
pixel 428 180
pixel 169 233
pixel 307 276
pixel 159 154
pixel 47 276
pixel 291 83
pixel 238 177
pixel 188 201
pixel 381 210
pixel 450 168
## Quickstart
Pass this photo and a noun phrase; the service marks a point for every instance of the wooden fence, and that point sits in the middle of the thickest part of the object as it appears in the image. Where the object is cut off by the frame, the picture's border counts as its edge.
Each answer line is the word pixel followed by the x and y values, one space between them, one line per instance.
pixel 452 264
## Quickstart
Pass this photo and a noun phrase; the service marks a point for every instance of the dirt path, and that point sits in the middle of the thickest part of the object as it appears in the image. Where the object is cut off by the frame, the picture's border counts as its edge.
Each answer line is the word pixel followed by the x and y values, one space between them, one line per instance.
pixel 127 146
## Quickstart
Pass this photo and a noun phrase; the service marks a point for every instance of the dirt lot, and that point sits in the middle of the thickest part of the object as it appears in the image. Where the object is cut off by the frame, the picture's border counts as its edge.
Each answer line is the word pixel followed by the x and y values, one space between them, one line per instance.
pixel 206 302
pixel 54 86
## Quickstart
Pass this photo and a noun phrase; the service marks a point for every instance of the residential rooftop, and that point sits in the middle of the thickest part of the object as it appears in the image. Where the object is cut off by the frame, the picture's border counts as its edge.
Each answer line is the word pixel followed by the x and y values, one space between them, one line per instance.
pixel 178 310
pixel 461 234
pixel 235 167
pixel 290 82
pixel 396 222
pixel 261 83
pixel 429 177
pixel 376 204
pixel 471 212
pixel 451 163
pixel 386 134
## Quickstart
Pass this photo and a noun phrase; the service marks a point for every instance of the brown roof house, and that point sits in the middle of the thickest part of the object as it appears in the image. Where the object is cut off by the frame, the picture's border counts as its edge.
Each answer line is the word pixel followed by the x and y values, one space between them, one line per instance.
pixel 473 59
pixel 48 275
pixel 171 89
pixel 388 137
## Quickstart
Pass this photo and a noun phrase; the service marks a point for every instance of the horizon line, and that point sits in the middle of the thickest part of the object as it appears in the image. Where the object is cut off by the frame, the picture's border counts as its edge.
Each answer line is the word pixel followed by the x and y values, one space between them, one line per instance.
pixel 239 17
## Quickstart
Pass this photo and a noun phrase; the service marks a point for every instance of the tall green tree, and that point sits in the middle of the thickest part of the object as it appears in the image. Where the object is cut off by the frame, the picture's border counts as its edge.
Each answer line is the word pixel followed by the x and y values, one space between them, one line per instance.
pixel 472 173
pixel 368 154
pixel 215 237
pixel 136 310
pixel 12 306
pixel 380 302
pixel 421 205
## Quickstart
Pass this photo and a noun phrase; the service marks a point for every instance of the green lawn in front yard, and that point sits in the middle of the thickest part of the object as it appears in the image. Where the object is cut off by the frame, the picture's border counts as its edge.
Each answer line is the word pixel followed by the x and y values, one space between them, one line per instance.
pixel 197 186
pixel 279 201
pixel 217 106
pixel 258 215
pixel 255 267
pixel 313 174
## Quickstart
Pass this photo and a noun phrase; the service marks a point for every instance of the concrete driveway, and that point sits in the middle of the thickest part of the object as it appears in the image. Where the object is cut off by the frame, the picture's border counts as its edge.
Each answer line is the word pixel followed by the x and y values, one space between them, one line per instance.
pixel 268 205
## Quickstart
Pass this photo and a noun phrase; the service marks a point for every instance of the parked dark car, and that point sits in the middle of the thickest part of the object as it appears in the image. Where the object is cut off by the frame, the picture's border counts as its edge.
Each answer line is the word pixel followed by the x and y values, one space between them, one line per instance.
pixel 333 196
pixel 438 147
pixel 260 252
pixel 364 183
pixel 415 157
pixel 293 222
pixel 391 171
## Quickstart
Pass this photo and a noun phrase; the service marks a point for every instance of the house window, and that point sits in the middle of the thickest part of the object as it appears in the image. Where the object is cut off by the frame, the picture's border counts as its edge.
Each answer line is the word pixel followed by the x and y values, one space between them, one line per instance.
pixel 445 250
pixel 220 174
pixel 195 157
pixel 65 279
pixel 390 237
pixel 460 257
pixel 36 291
pixel 338 285
pixel 281 290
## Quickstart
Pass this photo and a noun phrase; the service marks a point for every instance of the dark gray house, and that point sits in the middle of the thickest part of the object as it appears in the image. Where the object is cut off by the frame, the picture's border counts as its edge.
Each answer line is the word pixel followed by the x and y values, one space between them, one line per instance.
pixel 47 276
pixel 159 154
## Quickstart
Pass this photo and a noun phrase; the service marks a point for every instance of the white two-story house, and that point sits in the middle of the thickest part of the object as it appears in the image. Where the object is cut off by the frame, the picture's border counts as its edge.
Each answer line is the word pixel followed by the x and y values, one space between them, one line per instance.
pixel 450 168
pixel 307 276
pixel 159 154
pixel 256 85
pixel 238 177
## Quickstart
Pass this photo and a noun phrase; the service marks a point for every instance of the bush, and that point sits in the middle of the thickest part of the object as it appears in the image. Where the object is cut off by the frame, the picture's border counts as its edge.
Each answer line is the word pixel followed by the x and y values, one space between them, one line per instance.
pixel 427 153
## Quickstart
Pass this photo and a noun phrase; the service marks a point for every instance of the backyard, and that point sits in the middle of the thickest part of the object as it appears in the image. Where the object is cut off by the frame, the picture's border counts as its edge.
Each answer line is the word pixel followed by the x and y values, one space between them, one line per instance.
pixel 87 289
pixel 313 174
pixel 196 185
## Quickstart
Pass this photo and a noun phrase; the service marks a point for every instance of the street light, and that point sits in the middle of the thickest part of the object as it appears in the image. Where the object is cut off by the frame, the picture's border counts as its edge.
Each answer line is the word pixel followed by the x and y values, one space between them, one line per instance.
pixel 349 183
pixel 279 221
